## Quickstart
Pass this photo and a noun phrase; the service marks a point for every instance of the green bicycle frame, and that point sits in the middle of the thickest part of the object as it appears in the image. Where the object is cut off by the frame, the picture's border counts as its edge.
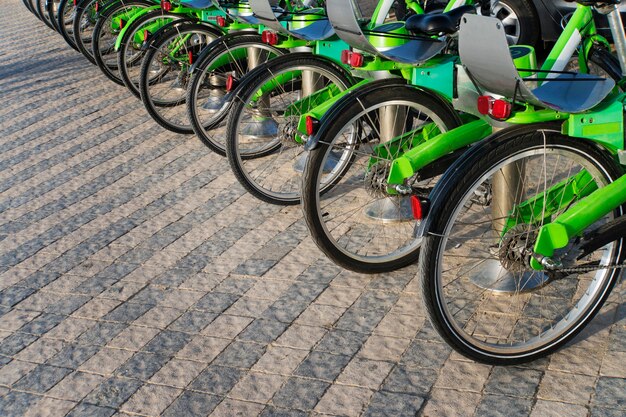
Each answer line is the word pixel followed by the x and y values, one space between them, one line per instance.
pixel 579 33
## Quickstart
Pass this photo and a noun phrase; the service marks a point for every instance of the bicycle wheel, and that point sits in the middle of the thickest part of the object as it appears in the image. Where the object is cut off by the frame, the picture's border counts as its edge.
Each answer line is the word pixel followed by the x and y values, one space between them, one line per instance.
pixel 52 10
pixel 28 6
pixel 130 53
pixel 108 27
pixel 165 73
pixel 42 11
pixel 351 216
pixel 84 21
pixel 480 293
pixel 263 145
pixel 65 21
pixel 208 103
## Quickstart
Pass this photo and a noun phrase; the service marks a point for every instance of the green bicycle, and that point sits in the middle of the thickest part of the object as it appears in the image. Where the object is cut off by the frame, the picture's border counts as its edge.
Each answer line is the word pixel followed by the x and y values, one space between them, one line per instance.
pixel 523 241
pixel 356 219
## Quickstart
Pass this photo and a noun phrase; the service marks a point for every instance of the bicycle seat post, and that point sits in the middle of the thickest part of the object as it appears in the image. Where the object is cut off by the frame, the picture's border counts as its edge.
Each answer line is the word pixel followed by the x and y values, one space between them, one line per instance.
pixel 617 30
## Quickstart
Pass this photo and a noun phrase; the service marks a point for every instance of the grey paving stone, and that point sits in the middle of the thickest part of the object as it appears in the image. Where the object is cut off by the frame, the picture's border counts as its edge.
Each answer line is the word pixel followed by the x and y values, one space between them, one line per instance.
pixel 193 321
pixel 270 411
pixel 256 267
pixel 363 321
pixel 606 412
pixel 142 365
pixel 15 343
pixel 504 406
pixel 217 379
pixel 128 312
pixel 192 404
pixel 410 381
pixel 16 403
pixel 342 342
pixel 237 286
pixel 300 393
pixel 42 378
pixel 322 365
pixel 610 393
pixel 69 304
pixel 284 310
pixel 113 392
pixel 12 295
pixel 101 333
pixel 393 404
pixel 42 324
pixel 173 277
pixel 513 381
pixel 89 410
pixel 216 302
pixel 40 279
pixel 424 354
pixel 263 331
pixel 168 342
pixel 240 354
pixel 74 355
pixel 370 300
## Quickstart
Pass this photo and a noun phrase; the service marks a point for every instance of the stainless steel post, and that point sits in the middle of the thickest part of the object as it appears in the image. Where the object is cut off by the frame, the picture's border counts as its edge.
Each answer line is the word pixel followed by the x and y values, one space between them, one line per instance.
pixel 619 37
pixel 506 192
pixel 262 124
pixel 392 208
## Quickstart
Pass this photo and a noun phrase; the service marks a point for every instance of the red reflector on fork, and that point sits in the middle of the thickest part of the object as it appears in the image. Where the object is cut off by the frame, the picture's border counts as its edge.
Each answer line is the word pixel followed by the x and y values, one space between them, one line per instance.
pixel 146 35
pixel 311 125
pixel 190 55
pixel 230 83
pixel 416 208
pixel 221 21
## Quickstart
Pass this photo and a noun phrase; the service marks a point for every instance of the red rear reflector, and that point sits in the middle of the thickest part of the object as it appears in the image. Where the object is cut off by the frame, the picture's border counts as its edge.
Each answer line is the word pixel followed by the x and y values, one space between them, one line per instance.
pixel 230 82
pixel 416 207
pixel 96 7
pixel 345 56
pixel 501 109
pixel 190 56
pixel 269 37
pixel 221 22
pixel 356 60
pixel 497 108
pixel 484 104
pixel 311 125
pixel 166 5
pixel 75 2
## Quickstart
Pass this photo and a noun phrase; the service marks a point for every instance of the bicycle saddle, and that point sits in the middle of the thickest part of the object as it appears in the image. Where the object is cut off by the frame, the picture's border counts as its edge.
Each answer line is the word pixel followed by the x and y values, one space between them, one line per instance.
pixel 197 4
pixel 438 23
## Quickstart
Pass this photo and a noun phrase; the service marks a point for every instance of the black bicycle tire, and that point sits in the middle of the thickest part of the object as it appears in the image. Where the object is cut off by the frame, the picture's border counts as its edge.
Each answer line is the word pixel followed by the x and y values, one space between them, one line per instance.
pixel 448 193
pixel 316 158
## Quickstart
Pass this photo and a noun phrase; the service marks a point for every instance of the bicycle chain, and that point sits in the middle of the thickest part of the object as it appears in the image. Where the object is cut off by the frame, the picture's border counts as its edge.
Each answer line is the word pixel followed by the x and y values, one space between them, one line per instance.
pixel 581 268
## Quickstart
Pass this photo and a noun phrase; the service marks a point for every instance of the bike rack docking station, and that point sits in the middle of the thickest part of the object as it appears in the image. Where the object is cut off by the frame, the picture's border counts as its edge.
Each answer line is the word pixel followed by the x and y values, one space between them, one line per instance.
pixel 239 12
pixel 485 53
pixel 393 42
pixel 309 25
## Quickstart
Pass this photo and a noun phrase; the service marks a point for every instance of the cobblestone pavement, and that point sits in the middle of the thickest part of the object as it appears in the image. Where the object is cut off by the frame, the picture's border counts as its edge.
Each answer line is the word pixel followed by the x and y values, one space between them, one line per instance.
pixel 138 278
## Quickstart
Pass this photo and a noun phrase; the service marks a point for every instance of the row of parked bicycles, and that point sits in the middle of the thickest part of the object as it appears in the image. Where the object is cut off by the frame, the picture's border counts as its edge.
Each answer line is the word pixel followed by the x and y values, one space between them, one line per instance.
pixel 411 135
